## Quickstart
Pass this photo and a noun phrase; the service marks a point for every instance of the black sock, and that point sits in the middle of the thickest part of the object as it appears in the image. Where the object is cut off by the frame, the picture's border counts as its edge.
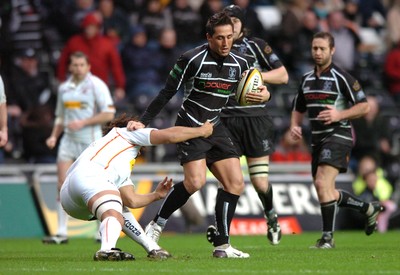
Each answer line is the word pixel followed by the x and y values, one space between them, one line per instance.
pixel 177 197
pixel 266 200
pixel 349 201
pixel 328 212
pixel 224 210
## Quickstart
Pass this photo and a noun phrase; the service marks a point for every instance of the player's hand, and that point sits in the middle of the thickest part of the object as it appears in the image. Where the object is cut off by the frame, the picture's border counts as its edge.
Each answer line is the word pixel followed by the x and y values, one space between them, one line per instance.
pixel 163 187
pixel 207 129
pixel 263 95
pixel 329 116
pixel 296 133
pixel 51 142
pixel 3 138
pixel 134 125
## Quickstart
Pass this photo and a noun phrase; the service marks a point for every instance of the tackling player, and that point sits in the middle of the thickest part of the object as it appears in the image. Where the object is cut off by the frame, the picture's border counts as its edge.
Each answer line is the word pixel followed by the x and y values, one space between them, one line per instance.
pixel 98 184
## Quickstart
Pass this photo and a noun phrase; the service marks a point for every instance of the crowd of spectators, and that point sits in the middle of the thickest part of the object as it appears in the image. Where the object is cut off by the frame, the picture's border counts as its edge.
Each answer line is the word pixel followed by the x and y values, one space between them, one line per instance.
pixel 132 44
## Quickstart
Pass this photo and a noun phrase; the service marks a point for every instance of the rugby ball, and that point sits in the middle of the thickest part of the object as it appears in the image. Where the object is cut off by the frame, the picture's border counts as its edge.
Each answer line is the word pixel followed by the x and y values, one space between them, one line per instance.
pixel 250 81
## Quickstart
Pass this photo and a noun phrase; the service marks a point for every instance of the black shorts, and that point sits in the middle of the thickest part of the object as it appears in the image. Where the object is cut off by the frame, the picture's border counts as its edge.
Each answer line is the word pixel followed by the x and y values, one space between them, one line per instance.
pixel 333 154
pixel 252 136
pixel 216 147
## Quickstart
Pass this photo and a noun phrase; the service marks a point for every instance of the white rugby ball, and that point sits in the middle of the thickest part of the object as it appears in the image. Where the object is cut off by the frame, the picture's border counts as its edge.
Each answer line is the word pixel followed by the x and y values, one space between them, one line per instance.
pixel 250 81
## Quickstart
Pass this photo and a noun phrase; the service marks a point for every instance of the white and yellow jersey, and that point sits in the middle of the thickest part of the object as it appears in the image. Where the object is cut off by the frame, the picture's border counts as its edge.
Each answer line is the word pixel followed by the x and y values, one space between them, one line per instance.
pixel 76 102
pixel 2 92
pixel 113 156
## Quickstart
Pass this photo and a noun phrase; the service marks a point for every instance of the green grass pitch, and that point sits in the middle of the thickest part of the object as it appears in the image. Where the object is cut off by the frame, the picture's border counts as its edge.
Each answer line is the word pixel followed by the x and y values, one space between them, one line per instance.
pixel 355 253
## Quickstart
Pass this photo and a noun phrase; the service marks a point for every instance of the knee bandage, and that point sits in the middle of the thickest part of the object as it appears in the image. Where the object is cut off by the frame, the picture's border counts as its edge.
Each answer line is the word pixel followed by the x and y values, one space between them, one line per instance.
pixel 259 169
pixel 105 203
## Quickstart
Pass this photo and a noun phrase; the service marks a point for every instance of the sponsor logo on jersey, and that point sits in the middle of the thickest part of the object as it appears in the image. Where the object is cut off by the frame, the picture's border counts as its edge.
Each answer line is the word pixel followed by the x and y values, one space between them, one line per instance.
pixel 316 96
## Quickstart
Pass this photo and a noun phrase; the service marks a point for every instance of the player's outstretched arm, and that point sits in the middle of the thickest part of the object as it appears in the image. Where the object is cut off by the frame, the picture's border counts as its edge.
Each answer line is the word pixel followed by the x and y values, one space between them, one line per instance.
pixel 178 133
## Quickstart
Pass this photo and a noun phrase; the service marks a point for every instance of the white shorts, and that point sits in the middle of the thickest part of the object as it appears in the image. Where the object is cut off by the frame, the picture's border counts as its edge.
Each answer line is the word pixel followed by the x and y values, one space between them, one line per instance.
pixel 80 186
pixel 70 149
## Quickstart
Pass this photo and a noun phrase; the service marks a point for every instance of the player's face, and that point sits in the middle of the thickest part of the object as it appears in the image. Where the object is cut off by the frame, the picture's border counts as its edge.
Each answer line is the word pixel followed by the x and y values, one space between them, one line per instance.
pixel 79 68
pixel 237 27
pixel 321 52
pixel 222 39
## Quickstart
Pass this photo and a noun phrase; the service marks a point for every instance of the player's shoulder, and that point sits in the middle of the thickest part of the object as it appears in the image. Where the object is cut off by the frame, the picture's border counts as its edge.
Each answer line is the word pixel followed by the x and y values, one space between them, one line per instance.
pixel 342 73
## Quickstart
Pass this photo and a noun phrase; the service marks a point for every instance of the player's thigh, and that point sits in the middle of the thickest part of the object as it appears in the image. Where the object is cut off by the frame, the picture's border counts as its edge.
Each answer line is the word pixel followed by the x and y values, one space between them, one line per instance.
pixel 229 173
pixel 258 169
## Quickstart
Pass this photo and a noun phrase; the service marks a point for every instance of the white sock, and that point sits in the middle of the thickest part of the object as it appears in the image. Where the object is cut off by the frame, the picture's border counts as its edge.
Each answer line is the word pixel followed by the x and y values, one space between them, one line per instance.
pixel 135 231
pixel 110 228
pixel 62 218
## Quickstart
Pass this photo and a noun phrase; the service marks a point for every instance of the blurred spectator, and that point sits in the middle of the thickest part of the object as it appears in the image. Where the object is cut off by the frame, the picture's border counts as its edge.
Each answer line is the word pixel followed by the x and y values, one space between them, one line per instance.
pixel 251 20
pixel 168 52
pixel 372 136
pixel 392 72
pixel 292 18
pixel 288 150
pixel 36 125
pixel 141 66
pixel 103 55
pixel 154 17
pixel 208 8
pixel 310 25
pixel 187 24
pixel 393 23
pixel 371 185
pixel 373 14
pixel 348 43
pixel 67 15
pixel 115 22
pixel 29 88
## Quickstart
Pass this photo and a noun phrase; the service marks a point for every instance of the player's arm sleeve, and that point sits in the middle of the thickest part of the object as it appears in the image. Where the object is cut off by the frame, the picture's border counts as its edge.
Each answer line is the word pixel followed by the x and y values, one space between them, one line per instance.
pixel 266 56
pixel 103 98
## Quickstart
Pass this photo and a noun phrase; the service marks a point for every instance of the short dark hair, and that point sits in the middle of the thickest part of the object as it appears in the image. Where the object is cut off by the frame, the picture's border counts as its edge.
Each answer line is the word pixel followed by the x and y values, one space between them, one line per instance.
pixel 326 35
pixel 79 54
pixel 218 19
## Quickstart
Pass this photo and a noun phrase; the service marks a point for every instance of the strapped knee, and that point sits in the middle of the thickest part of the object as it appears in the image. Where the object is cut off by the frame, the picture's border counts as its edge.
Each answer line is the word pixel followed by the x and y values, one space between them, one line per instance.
pixel 259 169
pixel 105 203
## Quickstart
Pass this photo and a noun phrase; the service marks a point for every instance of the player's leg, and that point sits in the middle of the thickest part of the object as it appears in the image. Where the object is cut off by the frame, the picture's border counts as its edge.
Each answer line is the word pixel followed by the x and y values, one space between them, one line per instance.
pixel 370 209
pixel 229 174
pixel 194 179
pixel 135 231
pixel 107 207
pixel 61 236
pixel 258 170
pixel 324 182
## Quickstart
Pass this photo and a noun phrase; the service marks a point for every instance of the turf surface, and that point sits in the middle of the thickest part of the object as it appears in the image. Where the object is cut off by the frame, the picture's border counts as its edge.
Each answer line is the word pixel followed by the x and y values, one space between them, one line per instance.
pixel 355 253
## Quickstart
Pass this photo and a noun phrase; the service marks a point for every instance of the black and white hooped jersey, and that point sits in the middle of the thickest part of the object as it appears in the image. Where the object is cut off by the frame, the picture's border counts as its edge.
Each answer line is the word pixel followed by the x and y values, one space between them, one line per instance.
pixel 336 88
pixel 208 81
pixel 261 56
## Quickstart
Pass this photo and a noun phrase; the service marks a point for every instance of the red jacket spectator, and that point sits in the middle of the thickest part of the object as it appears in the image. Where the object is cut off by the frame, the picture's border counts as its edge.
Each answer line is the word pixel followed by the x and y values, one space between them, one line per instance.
pixel 392 72
pixel 104 57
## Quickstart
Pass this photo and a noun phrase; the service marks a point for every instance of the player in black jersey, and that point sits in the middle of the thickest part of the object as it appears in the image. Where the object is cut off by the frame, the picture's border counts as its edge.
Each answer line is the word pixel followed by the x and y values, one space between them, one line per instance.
pixel 331 98
pixel 209 73
pixel 251 127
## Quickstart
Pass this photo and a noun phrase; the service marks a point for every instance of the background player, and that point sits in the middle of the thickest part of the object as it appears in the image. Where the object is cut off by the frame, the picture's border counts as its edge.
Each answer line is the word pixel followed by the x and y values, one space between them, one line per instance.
pixel 325 93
